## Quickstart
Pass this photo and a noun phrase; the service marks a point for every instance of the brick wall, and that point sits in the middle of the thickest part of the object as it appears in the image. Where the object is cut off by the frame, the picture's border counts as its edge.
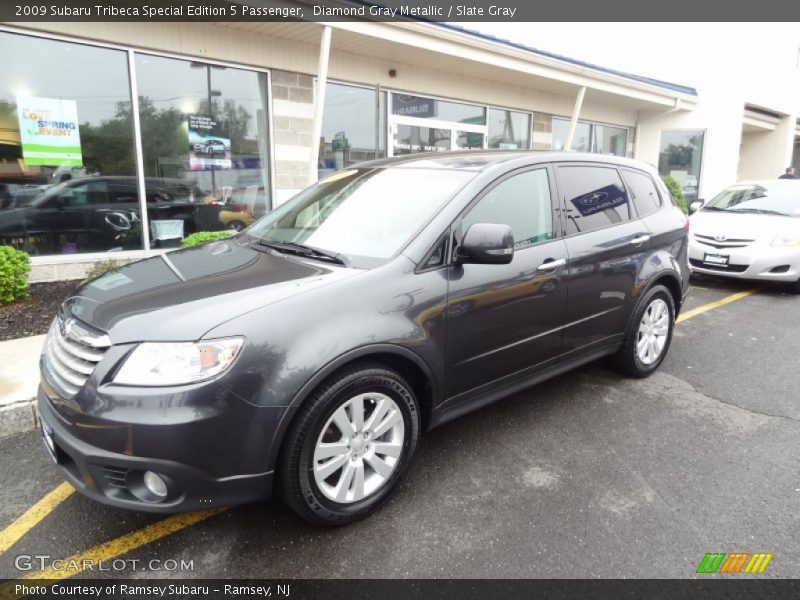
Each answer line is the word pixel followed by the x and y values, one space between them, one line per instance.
pixel 292 119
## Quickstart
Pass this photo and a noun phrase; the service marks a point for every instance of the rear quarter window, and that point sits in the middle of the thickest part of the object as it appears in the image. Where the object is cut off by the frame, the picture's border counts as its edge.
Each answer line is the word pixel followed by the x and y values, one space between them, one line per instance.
pixel 643 192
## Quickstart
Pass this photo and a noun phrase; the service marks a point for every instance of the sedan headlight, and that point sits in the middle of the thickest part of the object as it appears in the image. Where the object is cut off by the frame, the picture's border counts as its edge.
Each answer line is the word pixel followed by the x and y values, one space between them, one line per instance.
pixel 786 240
pixel 177 363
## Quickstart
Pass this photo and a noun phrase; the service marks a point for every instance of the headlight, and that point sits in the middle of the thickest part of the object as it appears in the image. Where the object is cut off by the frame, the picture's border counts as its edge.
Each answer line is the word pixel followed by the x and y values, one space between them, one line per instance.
pixel 179 362
pixel 787 240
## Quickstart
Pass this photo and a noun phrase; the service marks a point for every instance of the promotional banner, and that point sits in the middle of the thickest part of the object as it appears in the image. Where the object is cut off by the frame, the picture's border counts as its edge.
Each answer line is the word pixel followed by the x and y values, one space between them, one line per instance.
pixel 49 132
pixel 208 149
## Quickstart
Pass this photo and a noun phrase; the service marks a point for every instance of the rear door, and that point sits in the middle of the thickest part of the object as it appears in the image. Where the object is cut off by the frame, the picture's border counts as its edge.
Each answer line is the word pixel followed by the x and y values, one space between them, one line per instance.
pixel 606 245
pixel 504 319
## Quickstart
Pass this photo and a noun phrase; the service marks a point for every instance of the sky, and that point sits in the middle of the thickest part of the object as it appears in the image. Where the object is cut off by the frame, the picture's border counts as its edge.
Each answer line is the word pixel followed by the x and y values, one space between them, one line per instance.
pixel 683 53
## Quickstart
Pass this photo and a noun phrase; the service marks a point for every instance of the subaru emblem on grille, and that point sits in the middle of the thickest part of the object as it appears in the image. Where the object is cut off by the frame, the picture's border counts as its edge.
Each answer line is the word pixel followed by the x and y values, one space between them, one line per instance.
pixel 720 237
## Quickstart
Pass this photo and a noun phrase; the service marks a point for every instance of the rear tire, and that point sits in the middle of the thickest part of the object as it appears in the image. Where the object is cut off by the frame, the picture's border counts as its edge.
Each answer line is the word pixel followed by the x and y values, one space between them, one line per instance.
pixel 649 334
pixel 349 445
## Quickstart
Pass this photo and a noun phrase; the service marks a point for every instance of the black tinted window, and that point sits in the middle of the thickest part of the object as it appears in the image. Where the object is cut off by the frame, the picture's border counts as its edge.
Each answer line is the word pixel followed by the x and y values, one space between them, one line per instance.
pixel 522 202
pixel 643 192
pixel 595 198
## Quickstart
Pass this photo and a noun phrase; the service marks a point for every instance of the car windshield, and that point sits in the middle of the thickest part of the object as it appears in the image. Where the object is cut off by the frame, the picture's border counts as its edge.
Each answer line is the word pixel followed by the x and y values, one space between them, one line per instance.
pixel 779 199
pixel 369 212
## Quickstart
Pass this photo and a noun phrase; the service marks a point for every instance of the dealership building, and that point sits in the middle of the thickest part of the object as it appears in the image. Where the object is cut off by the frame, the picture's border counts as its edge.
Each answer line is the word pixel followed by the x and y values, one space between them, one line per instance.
pixel 209 125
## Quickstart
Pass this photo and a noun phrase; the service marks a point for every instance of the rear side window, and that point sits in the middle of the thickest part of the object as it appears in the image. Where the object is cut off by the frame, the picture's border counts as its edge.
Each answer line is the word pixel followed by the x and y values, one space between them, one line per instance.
pixel 522 202
pixel 643 192
pixel 595 198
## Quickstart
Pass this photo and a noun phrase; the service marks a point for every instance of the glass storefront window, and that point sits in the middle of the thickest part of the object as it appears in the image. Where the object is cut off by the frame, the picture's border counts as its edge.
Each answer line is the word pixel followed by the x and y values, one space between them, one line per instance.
pixel 348 127
pixel 411 139
pixel 581 140
pixel 509 130
pixel 444 110
pixel 680 156
pixel 591 137
pixel 610 140
pixel 67 169
pixel 204 145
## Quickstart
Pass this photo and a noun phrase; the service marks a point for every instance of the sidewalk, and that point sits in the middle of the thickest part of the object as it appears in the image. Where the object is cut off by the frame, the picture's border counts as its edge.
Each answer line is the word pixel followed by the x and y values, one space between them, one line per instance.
pixel 19 378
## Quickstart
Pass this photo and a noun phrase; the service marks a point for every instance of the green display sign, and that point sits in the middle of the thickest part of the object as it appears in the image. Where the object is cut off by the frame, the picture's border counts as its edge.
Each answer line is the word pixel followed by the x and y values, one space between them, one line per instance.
pixel 49 132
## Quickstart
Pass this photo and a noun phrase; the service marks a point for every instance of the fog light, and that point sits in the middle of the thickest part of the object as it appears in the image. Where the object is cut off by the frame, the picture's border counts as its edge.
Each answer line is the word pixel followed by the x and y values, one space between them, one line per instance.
pixel 155 484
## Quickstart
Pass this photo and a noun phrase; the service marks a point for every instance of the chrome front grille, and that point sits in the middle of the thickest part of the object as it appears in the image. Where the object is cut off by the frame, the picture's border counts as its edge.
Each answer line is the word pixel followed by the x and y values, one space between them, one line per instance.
pixel 710 240
pixel 71 354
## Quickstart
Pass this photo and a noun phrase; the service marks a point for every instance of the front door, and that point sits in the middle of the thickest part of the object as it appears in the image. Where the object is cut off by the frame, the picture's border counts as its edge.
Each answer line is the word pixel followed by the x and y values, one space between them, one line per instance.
pixel 504 319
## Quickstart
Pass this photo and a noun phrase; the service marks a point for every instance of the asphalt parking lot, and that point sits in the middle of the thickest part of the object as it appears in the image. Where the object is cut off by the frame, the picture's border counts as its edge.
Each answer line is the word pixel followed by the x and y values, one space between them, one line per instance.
pixel 587 475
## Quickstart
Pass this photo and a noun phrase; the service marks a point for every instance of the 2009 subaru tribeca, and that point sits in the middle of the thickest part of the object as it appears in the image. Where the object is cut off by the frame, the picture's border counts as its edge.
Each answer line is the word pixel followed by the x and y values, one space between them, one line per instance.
pixel 309 352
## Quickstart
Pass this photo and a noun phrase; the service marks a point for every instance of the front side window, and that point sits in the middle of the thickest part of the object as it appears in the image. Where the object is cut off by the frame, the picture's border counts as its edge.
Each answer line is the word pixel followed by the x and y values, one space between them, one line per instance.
pixel 66 132
pixel 362 213
pixel 595 198
pixel 522 202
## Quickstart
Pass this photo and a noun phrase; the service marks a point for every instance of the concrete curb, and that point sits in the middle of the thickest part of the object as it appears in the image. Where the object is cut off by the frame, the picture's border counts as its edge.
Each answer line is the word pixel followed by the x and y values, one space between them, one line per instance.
pixel 19 379
pixel 18 418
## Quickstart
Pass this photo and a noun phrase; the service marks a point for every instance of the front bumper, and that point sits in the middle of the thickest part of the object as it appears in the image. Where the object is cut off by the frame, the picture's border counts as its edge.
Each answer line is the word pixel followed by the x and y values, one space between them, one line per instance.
pixel 115 478
pixel 756 261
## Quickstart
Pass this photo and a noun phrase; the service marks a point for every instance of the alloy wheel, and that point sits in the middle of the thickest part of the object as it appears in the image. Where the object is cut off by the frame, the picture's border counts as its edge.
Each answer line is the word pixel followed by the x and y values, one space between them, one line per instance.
pixel 359 448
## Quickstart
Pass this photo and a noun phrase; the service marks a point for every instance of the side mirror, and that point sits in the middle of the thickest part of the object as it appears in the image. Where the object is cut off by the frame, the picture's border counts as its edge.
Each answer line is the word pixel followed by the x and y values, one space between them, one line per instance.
pixel 487 244
pixel 695 206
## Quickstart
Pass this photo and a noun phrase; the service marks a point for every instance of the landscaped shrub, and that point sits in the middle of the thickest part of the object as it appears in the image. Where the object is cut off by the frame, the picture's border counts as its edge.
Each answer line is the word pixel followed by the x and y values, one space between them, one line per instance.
pixel 675 189
pixel 203 237
pixel 14 268
pixel 101 268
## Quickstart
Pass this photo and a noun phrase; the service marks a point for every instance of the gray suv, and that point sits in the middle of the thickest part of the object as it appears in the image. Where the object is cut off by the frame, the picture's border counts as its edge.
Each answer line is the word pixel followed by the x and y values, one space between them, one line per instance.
pixel 309 352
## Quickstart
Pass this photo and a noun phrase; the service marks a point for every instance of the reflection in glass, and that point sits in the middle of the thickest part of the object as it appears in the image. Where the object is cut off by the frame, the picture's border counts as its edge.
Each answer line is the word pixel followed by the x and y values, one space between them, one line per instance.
pixel 66 148
pixel 610 140
pixel 362 212
pixel 429 108
pixel 348 127
pixel 581 140
pixel 410 139
pixel 509 130
pixel 680 157
pixel 204 126
pixel 468 140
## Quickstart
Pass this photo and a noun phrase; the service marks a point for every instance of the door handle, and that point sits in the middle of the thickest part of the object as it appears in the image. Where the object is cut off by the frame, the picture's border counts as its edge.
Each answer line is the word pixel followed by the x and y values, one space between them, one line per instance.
pixel 552 264
pixel 640 239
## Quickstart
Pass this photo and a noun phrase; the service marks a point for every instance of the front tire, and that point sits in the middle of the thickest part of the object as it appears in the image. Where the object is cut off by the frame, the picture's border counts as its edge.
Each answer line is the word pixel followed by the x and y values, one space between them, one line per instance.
pixel 349 445
pixel 649 334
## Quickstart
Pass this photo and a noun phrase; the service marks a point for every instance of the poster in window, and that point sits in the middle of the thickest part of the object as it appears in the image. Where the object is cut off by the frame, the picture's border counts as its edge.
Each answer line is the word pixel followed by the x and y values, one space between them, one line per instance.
pixel 209 149
pixel 49 131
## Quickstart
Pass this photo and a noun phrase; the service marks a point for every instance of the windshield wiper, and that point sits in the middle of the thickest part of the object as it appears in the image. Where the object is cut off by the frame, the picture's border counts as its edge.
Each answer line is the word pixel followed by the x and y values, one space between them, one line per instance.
pixel 307 251
pixel 714 208
pixel 760 211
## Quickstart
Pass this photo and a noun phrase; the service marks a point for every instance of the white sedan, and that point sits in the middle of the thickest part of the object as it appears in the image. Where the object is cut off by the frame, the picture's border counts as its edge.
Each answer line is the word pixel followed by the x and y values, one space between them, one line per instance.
pixel 750 230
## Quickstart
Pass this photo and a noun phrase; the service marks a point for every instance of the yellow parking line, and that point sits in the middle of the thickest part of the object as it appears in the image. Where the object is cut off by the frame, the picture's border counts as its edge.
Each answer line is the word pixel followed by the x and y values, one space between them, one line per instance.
pixel 124 544
pixel 716 304
pixel 11 534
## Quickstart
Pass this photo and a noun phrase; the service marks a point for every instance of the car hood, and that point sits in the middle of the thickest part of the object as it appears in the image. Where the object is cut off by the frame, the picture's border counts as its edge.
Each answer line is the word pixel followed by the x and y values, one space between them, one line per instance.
pixel 184 294
pixel 746 226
